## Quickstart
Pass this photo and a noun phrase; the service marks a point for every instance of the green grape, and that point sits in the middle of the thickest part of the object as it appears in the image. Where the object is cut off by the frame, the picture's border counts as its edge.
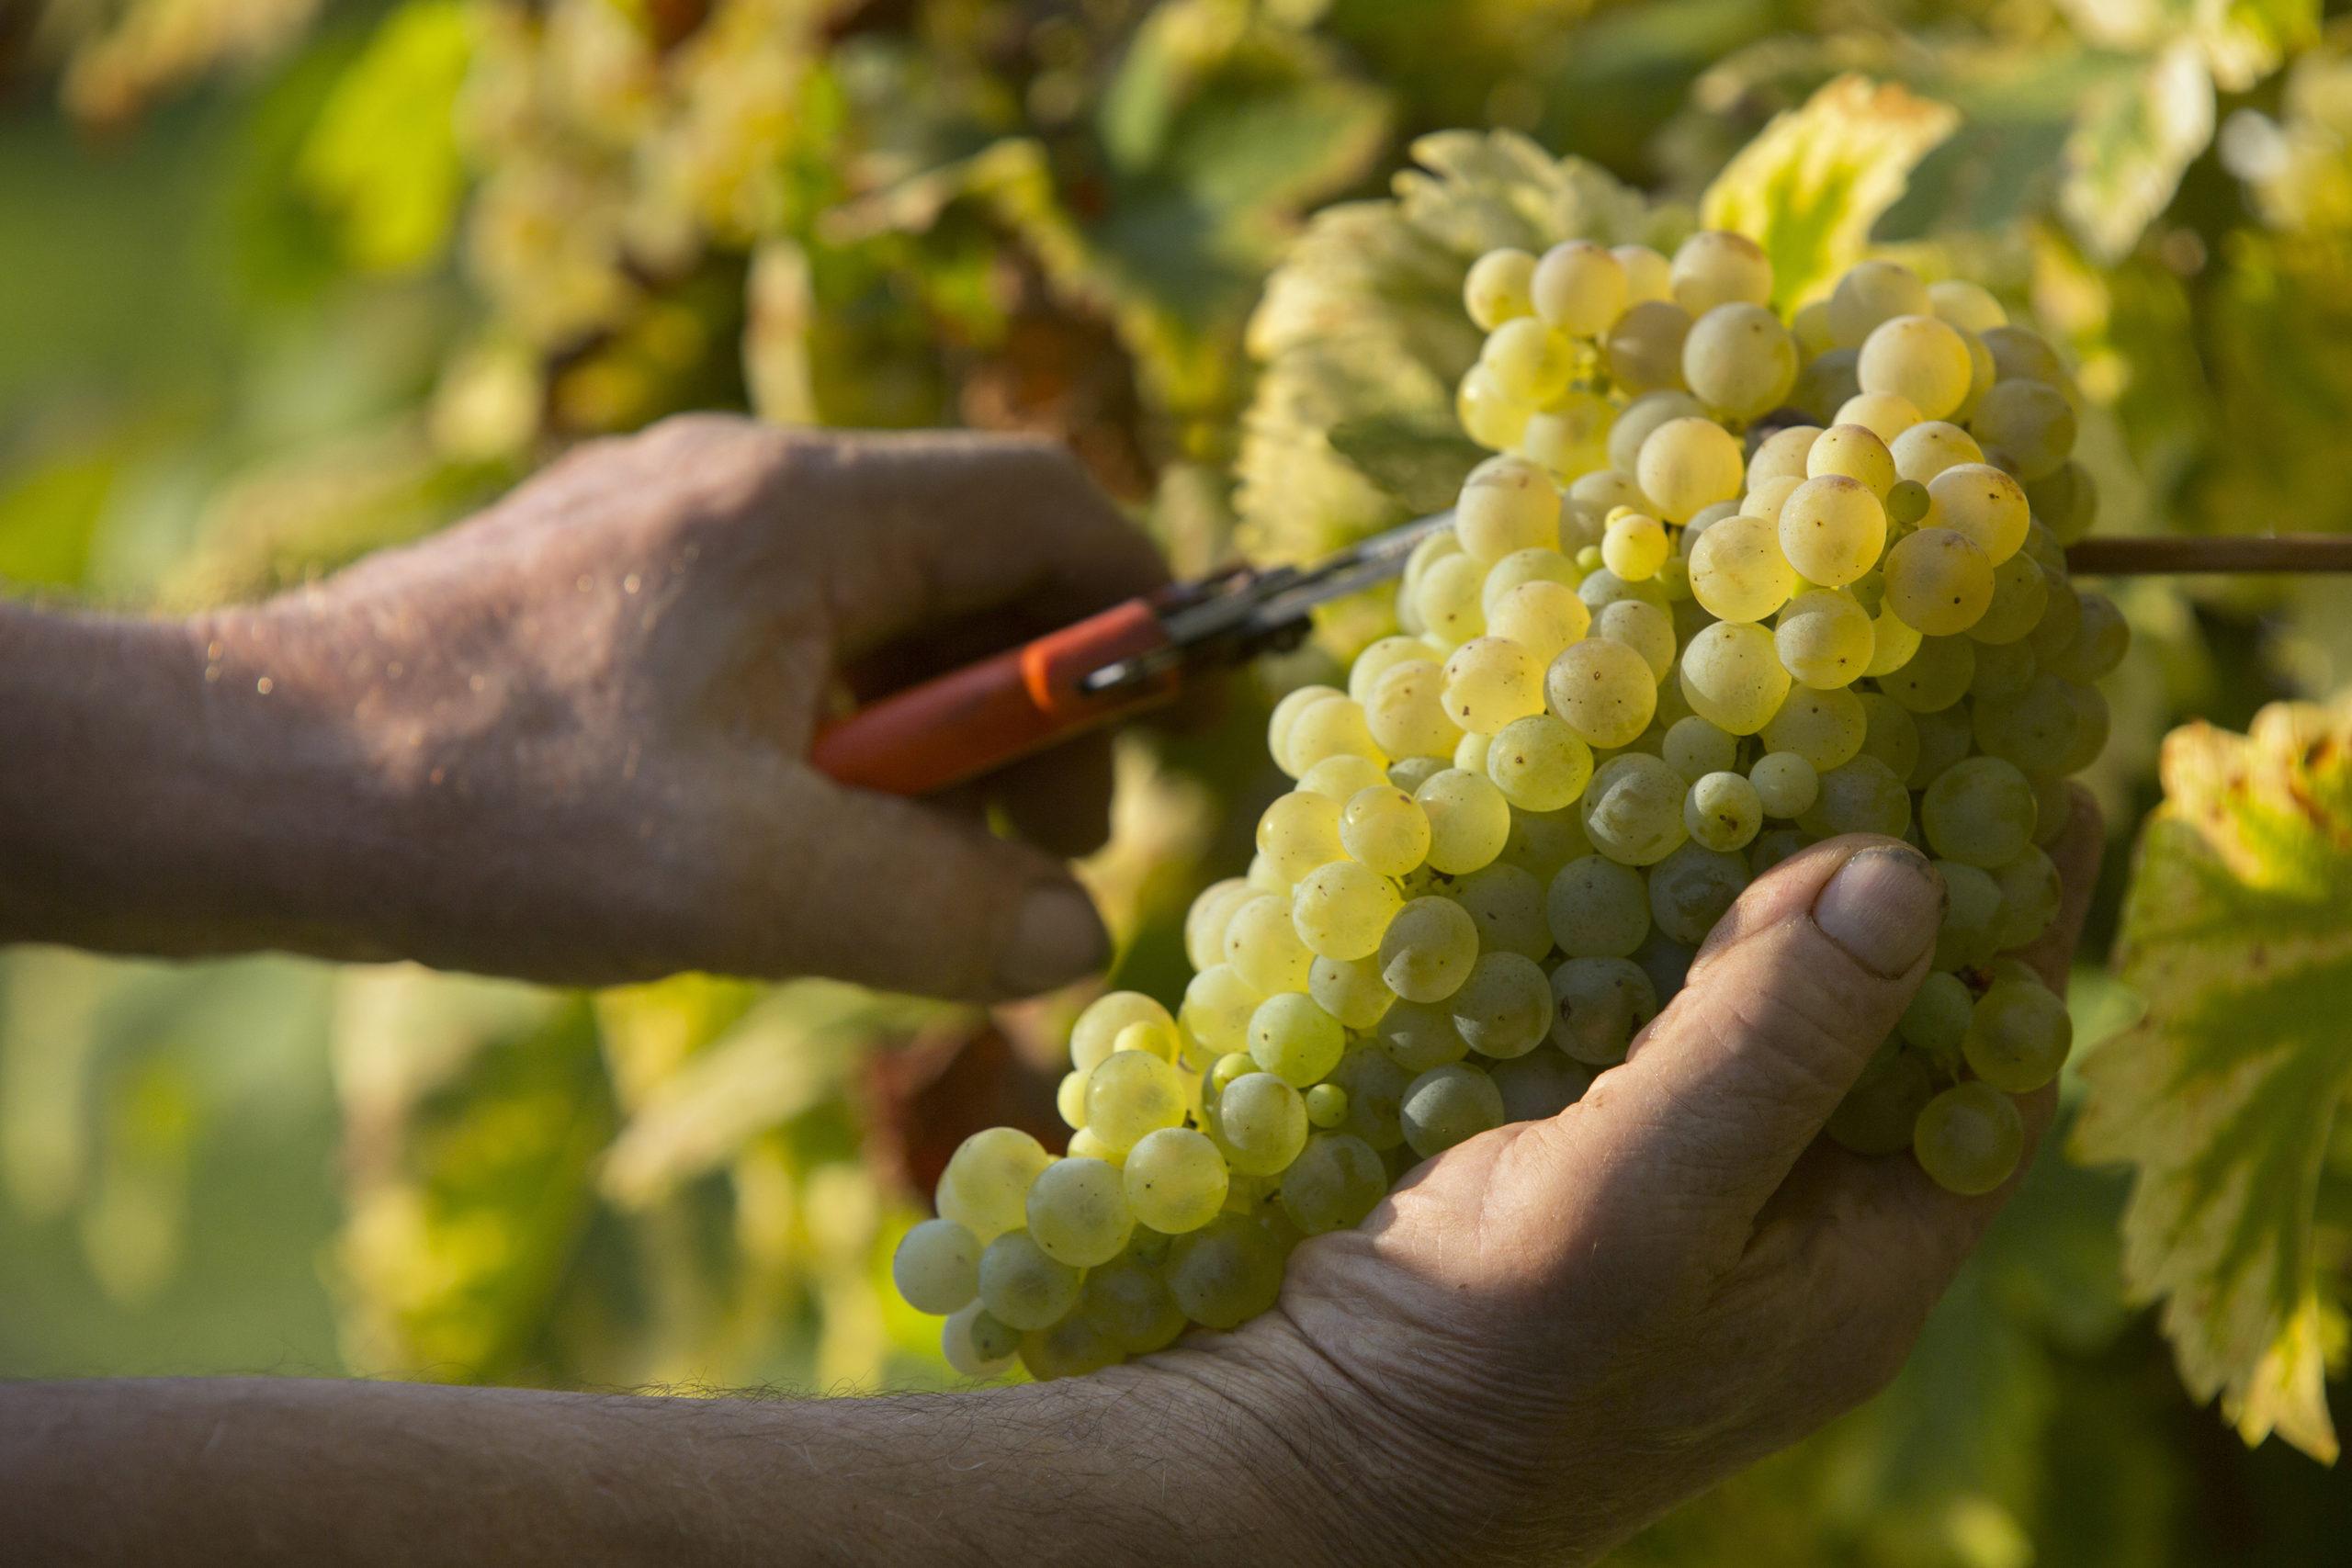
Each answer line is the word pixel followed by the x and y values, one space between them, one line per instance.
pixel 1204 921
pixel 1264 879
pixel 1327 1107
pixel 1984 505
pixel 2090 729
pixel 1907 504
pixel 1786 785
pixel 2067 499
pixel 1633 810
pixel 1490 415
pixel 1340 778
pixel 1602 691
pixel 1591 497
pixel 1447 599
pixel 1527 361
pixel 1862 796
pixel 1539 563
pixel 1826 384
pixel 1894 641
pixel 1095 1035
pixel 1944 739
pixel 1540 842
pixel 1085 1144
pixel 1717 266
pixel 1384 830
pixel 1872 292
pixel 1968 306
pixel 1853 452
pixel 1069 1100
pixel 1022 1286
pixel 1686 464
pixel 1380 656
pixel 1341 910
pixel 1568 436
pixel 1337 1179
pixel 1886 414
pixel 1732 675
pixel 1262 946
pixel 1428 949
pixel 1131 1093
pixel 1350 991
pixel 1784 454
pixel 1286 712
pixel 1979 811
pixel 1128 1305
pixel 1153 1039
pixel 1635 546
pixel 1077 1213
pixel 1737 571
pixel 1643 348
pixel 1692 889
pixel 1300 831
pixel 1937 676
pixel 1330 728
pixel 986 1181
pixel 1634 424
pixel 1544 618
pixel 1693 748
pixel 1824 638
pixel 1504 1009
pixel 1740 360
pixel 1226 1272
pixel 1374 1087
pixel 2004 670
pixel 1931 447
pixel 2054 808
pixel 1470 756
pixel 1892 734
pixel 1260 1123
pixel 2030 895
pixel 961 1338
pixel 1449 1105
pixel 1538 762
pixel 1507 902
pixel 1597 1006
pixel 2036 729
pixel 1832 528
pixel 1878 1113
pixel 1722 812
pixel 1936 1021
pixel 1969 1138
pixel 2029 420
pixel 1508 503
pixel 1539 1085
pixel 2018 1036
pixel 1645 628
pixel 1175 1179
pixel 2101 639
pixel 1919 358
pixel 1294 1039
pixel 1490 681
pixel 1469 820
pixel 1499 287
pixel 1420 1035
pixel 1970 935
pixel 1826 727
pixel 936 1266
pixel 1578 287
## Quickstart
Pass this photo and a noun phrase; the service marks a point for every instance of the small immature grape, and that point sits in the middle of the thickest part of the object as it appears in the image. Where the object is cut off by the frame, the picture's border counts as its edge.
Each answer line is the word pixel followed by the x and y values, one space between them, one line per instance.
pixel 1984 504
pixel 1722 812
pixel 1578 287
pixel 1538 762
pixel 1854 452
pixel 1469 820
pixel 959 1345
pixel 1506 504
pixel 1717 266
pixel 2017 1036
pixel 1832 529
pixel 1599 1004
pixel 937 1265
pixel 1786 785
pixel 1499 287
pixel 1969 1138
pixel 1937 582
pixel 1077 1213
pixel 1341 908
pixel 1603 691
pixel 1449 1105
pixel 1428 950
pixel 1326 1106
pixel 1292 1037
pixel 1689 463
pixel 1908 503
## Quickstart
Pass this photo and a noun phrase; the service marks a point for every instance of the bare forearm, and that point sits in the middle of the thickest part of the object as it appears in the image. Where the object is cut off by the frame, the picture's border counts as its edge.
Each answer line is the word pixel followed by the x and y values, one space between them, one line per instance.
pixel 1142 1467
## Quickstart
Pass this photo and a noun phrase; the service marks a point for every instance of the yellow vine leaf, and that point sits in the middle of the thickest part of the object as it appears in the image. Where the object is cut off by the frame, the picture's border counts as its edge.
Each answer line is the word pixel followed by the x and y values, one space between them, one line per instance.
pixel 1814 180
pixel 2224 1097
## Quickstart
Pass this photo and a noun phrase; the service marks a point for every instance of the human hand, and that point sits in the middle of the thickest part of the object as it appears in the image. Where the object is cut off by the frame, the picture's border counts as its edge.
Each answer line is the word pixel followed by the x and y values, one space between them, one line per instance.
pixel 1553 1333
pixel 566 740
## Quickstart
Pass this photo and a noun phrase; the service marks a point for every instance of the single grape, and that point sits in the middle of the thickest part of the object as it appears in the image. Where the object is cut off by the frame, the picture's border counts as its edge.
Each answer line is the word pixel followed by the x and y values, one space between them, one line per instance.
pixel 1022 1286
pixel 1504 1009
pixel 1352 992
pixel 1921 359
pixel 1128 1305
pixel 1406 713
pixel 1499 287
pixel 1539 1085
pixel 1341 910
pixel 1286 712
pixel 1507 902
pixel 1872 292
pixel 1260 1123
pixel 1638 420
pixel 2036 730
pixel 1175 1181
pixel 2018 1036
pixel 1538 762
pixel 1300 831
pixel 1446 599
pixel 1731 675
pixel 1888 414
pixel 1738 569
pixel 1217 1005
pixel 1262 946
pixel 1937 1020
pixel 1340 778
pixel 1739 359
pixel 1077 1213
pixel 1717 266
pixel 1878 1113
pixel 1853 452
pixel 1832 529
pixel 1786 785
pixel 2029 420
pixel 1449 1105
pixel 1968 306
pixel 1337 1179
pixel 1825 638
pixel 1428 950
pixel 1692 889
pixel 1507 503
pixel 1597 1005
pixel 1205 923
pixel 1095 1035
pixel 1633 810
pixel 1969 1138
pixel 1490 681
pixel 1643 348
pixel 1527 361
pixel 1131 1093
pixel 987 1181
pixel 1648 275
pixel 1543 617
pixel 1602 691
pixel 1694 748
pixel 1984 505
pixel 1374 1087
pixel 1935 677
pixel 936 1266
pixel 1970 935
pixel 1722 812
pixel 1784 454
pixel 1226 1272
pixel 1334 726
pixel 1326 1106
pixel 1826 728
pixel 1384 830
pixel 1635 546
pixel 2029 897
pixel 1979 811
pixel 1469 820
pixel 1931 447
pixel 1578 287
pixel 1686 464
pixel 1420 1035
pixel 1862 796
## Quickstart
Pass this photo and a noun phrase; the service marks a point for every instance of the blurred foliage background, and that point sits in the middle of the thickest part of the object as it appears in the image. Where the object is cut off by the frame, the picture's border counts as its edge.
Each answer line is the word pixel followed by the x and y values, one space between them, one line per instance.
pixel 286 281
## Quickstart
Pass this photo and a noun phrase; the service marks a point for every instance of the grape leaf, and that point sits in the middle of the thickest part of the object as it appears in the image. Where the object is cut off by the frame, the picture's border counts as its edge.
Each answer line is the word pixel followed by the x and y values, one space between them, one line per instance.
pixel 2223 1096
pixel 1814 181
pixel 383 155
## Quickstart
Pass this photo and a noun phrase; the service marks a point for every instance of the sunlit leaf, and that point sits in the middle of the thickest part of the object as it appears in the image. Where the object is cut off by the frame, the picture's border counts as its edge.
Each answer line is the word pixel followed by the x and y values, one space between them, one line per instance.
pixel 2132 138
pixel 1810 187
pixel 382 156
pixel 2222 1099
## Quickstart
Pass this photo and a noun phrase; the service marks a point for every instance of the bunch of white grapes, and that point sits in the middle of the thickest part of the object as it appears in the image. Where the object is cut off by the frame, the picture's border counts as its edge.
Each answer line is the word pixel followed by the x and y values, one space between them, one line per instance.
pixel 1730 586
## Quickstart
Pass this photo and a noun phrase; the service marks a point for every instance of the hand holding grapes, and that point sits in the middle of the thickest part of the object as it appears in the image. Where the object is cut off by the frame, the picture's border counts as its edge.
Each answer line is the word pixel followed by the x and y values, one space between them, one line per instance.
pixel 567 740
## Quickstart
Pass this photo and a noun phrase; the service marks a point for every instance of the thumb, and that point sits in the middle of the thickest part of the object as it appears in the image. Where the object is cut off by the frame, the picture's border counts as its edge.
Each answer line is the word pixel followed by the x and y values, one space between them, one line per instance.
pixel 920 901
pixel 1785 1005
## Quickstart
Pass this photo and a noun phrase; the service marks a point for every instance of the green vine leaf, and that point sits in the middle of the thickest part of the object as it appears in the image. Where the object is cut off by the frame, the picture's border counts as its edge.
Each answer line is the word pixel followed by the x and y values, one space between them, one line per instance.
pixel 1811 184
pixel 2224 1095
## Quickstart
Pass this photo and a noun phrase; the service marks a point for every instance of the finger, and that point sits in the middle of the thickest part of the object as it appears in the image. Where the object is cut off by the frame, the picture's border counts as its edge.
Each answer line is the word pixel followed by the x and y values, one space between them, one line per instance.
pixel 924 902
pixel 1060 800
pixel 1784 1004
pixel 935 524
pixel 2076 853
